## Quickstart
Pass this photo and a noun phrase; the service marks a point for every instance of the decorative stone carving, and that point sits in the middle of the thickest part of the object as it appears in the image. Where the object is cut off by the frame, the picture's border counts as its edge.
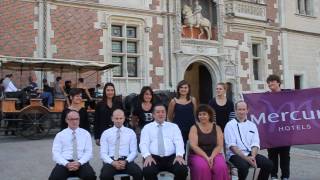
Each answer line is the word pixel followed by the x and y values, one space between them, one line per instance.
pixel 246 9
pixel 195 19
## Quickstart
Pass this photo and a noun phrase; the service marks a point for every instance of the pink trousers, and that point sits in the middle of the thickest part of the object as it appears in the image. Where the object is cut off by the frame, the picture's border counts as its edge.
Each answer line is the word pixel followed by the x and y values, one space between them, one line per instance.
pixel 200 170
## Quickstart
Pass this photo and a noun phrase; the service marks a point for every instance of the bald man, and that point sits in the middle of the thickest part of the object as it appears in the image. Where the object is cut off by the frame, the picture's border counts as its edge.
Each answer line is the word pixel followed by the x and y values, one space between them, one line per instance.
pixel 119 149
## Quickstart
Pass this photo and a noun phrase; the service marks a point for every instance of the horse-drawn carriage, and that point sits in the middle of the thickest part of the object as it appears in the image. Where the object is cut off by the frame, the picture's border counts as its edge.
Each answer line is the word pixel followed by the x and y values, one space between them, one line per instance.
pixel 35 120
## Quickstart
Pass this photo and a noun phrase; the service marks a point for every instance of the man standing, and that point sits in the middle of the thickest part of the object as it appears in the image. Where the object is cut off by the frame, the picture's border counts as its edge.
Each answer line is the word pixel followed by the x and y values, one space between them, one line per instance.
pixel 72 150
pixel 283 153
pixel 162 147
pixel 242 142
pixel 119 149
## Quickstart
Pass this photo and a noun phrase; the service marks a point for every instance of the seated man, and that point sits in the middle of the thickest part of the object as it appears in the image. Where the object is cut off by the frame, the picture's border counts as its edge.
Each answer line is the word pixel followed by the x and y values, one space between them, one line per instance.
pixel 119 149
pixel 72 150
pixel 162 147
pixel 242 142
pixel 47 94
pixel 33 88
pixel 12 92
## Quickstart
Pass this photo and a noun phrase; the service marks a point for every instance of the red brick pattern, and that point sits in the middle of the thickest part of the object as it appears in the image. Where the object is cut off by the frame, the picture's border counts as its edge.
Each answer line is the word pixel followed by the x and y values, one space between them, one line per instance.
pixel 17 33
pixel 272 12
pixel 274 53
pixel 235 36
pixel 243 56
pixel 154 4
pixel 244 83
pixel 74 33
pixel 155 49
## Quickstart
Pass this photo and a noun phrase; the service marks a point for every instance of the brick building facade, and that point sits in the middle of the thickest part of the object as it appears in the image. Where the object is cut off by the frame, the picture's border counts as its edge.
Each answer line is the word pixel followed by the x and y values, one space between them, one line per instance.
pixel 156 42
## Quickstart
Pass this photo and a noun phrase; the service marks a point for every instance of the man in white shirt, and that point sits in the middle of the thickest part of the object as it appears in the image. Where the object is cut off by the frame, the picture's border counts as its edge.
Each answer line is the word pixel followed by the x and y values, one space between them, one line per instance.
pixel 12 92
pixel 119 149
pixel 242 142
pixel 8 85
pixel 162 147
pixel 72 150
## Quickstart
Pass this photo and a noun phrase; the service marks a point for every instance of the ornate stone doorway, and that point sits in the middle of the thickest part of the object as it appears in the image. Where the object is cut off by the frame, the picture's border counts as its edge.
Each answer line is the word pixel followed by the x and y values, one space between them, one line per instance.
pixel 200 79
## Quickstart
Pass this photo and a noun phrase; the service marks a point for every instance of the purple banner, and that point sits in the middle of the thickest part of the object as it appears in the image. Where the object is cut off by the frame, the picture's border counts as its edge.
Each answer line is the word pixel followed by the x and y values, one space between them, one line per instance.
pixel 287 117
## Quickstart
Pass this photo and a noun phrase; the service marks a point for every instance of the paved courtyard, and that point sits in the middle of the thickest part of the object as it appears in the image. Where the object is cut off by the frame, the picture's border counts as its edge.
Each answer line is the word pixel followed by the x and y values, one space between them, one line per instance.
pixel 22 159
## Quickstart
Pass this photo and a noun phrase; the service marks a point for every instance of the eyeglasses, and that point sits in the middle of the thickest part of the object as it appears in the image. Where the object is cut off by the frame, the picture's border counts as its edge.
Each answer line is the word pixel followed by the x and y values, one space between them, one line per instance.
pixel 73 119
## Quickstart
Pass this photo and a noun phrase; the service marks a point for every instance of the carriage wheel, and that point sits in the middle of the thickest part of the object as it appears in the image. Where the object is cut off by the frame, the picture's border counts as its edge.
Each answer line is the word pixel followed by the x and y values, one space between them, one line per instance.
pixel 35 123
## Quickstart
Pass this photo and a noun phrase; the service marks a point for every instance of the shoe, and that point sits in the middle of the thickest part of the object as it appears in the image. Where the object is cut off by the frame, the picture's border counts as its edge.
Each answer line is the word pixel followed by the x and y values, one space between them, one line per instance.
pixel 274 178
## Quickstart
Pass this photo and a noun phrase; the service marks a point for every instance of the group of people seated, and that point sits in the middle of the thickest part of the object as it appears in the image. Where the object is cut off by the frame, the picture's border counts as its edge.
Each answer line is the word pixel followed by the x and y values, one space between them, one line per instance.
pixel 161 145
pixel 59 90
pixel 161 142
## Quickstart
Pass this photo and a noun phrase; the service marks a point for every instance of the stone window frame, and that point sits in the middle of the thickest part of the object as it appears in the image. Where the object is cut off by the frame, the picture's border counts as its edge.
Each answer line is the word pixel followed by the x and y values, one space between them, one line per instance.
pixel 260 58
pixel 305 9
pixel 122 72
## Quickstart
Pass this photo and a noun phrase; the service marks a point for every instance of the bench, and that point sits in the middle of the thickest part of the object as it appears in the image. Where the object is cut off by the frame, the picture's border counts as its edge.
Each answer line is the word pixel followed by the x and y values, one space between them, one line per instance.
pixel 9 105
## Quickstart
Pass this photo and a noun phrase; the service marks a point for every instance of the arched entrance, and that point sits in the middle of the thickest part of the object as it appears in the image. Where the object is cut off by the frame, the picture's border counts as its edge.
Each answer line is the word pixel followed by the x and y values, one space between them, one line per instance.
pixel 199 77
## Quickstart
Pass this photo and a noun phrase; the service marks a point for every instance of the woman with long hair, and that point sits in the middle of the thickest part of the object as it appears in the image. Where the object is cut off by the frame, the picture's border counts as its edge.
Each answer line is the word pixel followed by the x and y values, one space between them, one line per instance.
pixel 104 110
pixel 206 161
pixel 182 108
pixel 142 111
pixel 222 106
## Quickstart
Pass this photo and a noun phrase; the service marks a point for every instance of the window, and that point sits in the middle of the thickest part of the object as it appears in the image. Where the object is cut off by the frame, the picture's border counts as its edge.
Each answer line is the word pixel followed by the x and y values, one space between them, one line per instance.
pixel 297 82
pixel 257 61
pixel 116 31
pixel 117 71
pixel 125 50
pixel 304 7
pixel 131 47
pixel 131 32
pixel 132 66
pixel 117 46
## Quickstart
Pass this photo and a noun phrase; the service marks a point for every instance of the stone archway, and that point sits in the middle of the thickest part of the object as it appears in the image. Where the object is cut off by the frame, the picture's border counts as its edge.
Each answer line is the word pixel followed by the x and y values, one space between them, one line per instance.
pixel 201 81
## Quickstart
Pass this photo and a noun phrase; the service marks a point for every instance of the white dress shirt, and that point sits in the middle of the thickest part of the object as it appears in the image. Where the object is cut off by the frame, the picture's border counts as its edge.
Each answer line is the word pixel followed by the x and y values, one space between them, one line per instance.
pixel 173 142
pixel 8 85
pixel 62 148
pixel 127 146
pixel 248 139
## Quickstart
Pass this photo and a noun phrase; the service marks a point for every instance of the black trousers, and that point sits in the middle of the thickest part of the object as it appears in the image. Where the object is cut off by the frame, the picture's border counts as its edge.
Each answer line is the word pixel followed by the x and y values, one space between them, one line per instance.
pixel 165 164
pixel 284 154
pixel 108 171
pixel 85 172
pixel 243 166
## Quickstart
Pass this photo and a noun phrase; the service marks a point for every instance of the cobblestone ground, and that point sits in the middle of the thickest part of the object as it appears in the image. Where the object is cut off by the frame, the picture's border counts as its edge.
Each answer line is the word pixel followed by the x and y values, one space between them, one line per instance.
pixel 22 159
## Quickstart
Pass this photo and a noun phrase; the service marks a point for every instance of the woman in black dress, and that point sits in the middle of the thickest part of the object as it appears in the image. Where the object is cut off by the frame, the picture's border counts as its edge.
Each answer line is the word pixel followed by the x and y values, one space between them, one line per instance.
pixel 182 109
pixel 104 110
pixel 142 112
pixel 222 106
pixel 76 105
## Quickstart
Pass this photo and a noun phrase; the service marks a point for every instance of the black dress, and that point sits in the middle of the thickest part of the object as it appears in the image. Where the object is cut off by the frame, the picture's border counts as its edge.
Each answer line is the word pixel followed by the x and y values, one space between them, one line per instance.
pixel 222 112
pixel 84 120
pixel 102 117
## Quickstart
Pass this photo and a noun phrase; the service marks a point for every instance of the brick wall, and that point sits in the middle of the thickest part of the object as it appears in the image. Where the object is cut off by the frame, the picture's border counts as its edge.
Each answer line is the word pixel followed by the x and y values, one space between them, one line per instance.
pixel 272 11
pixel 155 5
pixel 274 53
pixel 17 33
pixel 156 60
pixel 74 34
